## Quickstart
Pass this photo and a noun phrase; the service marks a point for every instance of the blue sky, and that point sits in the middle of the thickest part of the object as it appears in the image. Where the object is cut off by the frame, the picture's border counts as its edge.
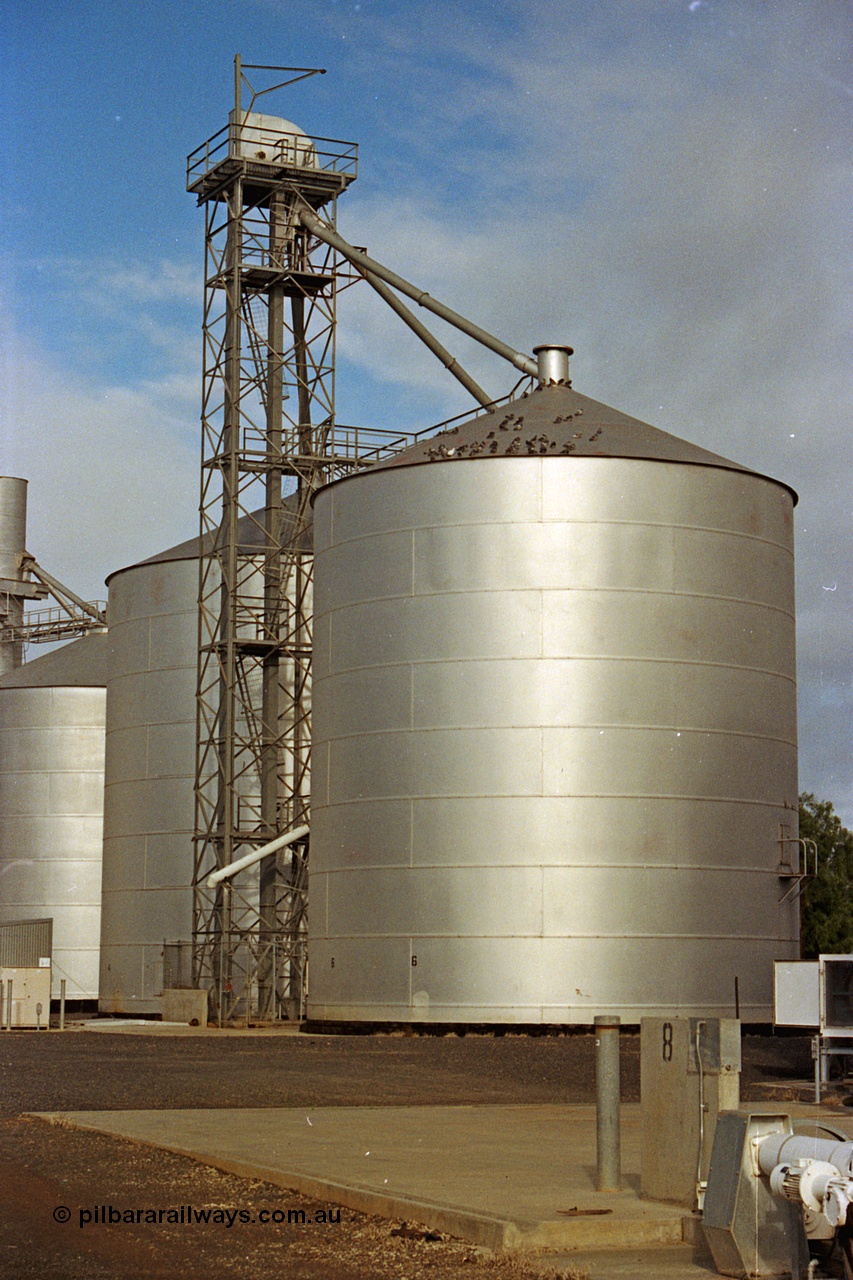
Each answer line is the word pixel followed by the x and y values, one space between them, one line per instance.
pixel 663 183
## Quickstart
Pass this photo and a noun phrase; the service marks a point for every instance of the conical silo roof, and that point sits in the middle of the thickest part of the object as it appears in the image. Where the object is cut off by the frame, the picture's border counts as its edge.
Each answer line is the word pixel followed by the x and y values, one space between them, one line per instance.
pixel 81 663
pixel 250 532
pixel 556 421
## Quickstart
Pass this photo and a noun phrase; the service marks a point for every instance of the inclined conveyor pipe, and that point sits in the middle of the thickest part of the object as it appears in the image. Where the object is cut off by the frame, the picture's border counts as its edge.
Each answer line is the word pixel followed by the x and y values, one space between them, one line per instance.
pixel 280 842
pixel 368 266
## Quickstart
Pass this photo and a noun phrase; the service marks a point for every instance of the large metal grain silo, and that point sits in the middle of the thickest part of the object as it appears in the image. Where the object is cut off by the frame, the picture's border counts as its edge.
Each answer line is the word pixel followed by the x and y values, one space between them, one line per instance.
pixel 150 771
pixel 51 803
pixel 554 754
pixel 149 798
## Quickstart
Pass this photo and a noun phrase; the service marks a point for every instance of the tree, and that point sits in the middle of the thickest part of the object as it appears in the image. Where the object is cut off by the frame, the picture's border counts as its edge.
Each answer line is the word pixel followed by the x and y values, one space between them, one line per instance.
pixel 827 901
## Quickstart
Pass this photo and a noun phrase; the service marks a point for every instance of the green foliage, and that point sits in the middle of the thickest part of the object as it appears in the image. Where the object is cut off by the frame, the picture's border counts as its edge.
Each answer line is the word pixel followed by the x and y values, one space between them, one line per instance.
pixel 827 902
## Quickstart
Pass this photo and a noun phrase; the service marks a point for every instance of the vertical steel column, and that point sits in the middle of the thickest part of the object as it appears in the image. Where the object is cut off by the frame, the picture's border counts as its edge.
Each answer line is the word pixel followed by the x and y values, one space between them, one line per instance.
pixel 228 538
pixel 273 591
pixel 607 1136
pixel 301 563
pixel 227 548
pixel 305 483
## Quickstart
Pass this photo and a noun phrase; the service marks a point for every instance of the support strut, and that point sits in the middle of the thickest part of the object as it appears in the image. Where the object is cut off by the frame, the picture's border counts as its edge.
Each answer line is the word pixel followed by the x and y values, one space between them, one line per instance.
pixel 368 266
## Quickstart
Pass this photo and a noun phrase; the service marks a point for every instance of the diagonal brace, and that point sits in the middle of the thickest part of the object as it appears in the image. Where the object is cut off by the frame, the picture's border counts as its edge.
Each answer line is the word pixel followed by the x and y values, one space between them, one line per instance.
pixel 369 267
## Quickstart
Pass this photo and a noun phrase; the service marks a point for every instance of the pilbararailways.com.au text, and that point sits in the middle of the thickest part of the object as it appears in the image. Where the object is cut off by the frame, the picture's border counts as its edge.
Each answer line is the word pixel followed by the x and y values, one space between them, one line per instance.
pixel 110 1215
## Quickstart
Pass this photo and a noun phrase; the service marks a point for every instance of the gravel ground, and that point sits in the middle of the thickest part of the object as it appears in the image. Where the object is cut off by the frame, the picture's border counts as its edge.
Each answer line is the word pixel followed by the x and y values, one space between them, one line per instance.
pixel 44 1166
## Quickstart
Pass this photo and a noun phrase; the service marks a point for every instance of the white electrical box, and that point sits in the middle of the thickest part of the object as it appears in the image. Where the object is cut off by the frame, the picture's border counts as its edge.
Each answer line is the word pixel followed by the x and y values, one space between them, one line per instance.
pixel 30 988
pixel 816 993
pixel 836 996
pixel 796 988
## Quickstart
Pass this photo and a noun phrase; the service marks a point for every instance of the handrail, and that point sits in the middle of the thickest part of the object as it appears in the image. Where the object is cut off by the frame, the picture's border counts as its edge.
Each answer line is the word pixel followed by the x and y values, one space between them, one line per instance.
pixel 331 154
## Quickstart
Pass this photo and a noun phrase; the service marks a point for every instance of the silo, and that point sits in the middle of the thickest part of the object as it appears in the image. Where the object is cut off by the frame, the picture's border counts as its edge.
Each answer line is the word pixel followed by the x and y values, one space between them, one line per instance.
pixel 149 813
pixel 554 750
pixel 52 713
pixel 150 768
pixel 13 535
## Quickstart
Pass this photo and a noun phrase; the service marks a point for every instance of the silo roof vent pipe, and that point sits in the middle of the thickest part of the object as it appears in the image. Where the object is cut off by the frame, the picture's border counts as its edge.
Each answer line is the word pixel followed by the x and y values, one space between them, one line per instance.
pixel 553 365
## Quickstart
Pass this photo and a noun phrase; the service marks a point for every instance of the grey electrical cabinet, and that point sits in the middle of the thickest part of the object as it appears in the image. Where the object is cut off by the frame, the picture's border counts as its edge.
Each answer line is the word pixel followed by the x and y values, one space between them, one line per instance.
pixel 686 1064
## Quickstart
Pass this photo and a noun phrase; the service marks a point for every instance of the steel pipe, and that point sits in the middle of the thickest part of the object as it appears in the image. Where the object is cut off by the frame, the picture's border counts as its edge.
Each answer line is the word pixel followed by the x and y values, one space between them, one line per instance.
pixel 366 265
pixel 450 362
pixel 280 842
pixel 553 364
pixel 607 1136
pixel 64 594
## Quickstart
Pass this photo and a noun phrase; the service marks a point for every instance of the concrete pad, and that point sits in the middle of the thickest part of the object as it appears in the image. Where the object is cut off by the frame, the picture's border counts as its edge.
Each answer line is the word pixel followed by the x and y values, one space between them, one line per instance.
pixel 507 1177
pixel 675 1262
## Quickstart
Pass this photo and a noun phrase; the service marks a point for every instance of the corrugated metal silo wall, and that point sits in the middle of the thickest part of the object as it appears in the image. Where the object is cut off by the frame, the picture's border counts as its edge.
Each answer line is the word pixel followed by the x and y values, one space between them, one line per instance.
pixel 554 742
pixel 51 821
pixel 148 798
pixel 150 774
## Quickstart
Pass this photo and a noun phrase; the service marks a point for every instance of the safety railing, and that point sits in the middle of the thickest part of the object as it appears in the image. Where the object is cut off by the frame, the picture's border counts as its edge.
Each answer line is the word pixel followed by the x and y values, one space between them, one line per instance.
pixel 261 144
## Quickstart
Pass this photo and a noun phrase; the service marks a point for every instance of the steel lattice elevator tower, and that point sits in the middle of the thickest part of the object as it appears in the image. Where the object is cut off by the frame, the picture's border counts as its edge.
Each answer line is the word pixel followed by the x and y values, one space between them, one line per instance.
pixel 274 266
pixel 269 439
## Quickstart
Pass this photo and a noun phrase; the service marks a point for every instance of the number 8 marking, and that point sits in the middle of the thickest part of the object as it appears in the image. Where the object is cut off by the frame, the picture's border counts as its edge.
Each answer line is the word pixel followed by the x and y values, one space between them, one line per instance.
pixel 667 1042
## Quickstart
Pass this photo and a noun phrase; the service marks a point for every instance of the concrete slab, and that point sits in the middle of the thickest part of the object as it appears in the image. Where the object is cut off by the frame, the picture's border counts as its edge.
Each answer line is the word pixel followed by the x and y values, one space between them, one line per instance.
pixel 507 1177
pixel 674 1262
pixel 182 1005
pixel 504 1177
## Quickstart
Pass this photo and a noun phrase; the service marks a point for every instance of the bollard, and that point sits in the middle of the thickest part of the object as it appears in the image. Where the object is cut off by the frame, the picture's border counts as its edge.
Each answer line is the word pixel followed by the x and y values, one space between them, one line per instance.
pixel 9 1005
pixel 607 1141
pixel 62 1005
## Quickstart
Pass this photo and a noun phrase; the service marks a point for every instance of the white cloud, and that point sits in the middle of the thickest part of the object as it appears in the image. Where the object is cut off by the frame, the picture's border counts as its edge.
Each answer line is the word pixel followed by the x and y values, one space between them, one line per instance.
pixel 113 469
pixel 114 285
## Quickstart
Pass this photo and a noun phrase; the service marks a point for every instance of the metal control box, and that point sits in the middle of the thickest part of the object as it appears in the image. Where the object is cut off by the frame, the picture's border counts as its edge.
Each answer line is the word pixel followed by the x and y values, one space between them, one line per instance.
pixel 815 993
pixel 30 989
pixel 836 996
pixel 689 1072
pixel 796 993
